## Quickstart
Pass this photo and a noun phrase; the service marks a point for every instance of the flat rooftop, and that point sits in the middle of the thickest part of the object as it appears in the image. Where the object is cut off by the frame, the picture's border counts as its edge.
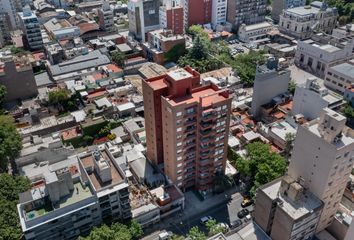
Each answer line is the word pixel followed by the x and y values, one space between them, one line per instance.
pixel 345 69
pixel 306 204
pixel 179 74
pixel 208 95
pixel 95 179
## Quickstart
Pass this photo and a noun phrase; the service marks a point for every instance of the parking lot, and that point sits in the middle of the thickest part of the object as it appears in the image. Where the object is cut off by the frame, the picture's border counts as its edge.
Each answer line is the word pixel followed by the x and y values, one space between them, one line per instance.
pixel 237 47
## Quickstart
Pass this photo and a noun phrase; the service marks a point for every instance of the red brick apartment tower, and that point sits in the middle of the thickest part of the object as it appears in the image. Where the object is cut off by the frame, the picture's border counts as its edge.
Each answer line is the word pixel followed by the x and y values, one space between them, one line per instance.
pixel 187 127
pixel 172 16
pixel 197 12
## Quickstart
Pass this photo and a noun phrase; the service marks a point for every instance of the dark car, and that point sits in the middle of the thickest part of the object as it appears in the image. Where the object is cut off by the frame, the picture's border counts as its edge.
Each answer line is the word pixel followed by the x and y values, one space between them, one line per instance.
pixel 242 213
pixel 236 223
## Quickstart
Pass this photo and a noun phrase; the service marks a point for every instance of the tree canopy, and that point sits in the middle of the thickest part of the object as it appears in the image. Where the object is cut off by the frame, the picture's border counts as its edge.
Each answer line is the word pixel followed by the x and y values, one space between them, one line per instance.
pixel 244 63
pixel 58 96
pixel 195 234
pixel 10 187
pixel 214 228
pixel 259 164
pixel 10 141
pixel 2 94
pixel 118 57
pixel 117 231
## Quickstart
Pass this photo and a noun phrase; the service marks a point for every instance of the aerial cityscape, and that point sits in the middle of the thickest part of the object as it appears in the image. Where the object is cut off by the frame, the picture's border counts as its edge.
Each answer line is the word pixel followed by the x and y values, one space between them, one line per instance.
pixel 176 119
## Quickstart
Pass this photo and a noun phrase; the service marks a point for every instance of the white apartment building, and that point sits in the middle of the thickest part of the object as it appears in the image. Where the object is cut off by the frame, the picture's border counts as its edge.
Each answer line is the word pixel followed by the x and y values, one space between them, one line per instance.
pixel 218 12
pixel 105 17
pixel 319 52
pixel 311 97
pixel 322 160
pixel 69 197
pixel 301 22
pixel 31 28
pixel 269 83
pixel 143 17
pixel 340 76
pixel 279 5
pixel 255 32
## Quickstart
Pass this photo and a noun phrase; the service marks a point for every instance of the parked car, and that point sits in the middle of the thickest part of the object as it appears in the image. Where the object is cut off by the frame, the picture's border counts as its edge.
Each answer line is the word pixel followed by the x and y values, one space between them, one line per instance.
pixel 242 213
pixel 203 220
pixel 236 223
pixel 246 202
pixel 248 217
pixel 224 226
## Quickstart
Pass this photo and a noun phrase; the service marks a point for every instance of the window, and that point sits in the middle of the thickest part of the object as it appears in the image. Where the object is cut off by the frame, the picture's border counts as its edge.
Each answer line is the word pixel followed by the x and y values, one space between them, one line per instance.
pixel 178 114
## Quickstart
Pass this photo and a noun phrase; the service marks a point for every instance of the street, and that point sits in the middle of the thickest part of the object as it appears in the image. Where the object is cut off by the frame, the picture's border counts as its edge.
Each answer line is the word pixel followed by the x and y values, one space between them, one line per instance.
pixel 224 210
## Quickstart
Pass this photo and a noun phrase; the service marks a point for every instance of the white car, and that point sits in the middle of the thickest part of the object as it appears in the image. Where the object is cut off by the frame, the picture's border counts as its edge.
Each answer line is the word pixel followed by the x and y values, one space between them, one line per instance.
pixel 248 217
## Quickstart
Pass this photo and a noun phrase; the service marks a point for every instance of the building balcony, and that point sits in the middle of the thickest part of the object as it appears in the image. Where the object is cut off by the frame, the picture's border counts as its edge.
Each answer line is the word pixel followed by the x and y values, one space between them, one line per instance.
pixel 207 132
pixel 190 129
pixel 190 121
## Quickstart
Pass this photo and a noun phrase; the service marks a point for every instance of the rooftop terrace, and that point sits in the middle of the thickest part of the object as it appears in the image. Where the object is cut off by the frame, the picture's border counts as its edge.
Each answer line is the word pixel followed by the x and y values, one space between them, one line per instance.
pixel 88 164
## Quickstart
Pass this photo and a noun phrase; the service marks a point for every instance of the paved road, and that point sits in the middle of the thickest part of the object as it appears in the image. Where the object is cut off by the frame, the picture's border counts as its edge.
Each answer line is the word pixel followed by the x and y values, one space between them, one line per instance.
pixel 224 212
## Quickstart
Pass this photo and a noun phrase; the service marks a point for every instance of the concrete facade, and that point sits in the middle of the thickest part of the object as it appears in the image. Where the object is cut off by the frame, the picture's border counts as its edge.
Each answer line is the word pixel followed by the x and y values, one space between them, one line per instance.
pixel 247 12
pixel 279 5
pixel 310 98
pixel 160 42
pixel 269 83
pixel 105 17
pixel 301 22
pixel 284 210
pixel 340 76
pixel 13 75
pixel 31 29
pixel 218 12
pixel 258 31
pixel 322 159
pixel 319 52
pixel 143 17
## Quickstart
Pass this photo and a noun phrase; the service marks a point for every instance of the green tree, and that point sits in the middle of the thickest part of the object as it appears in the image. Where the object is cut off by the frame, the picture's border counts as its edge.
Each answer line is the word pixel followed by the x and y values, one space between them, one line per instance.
pixel 58 96
pixel 289 140
pixel 292 87
pixel 348 111
pixel 197 30
pixel 2 94
pixel 222 182
pixel 10 141
pixel 260 164
pixel 195 234
pixel 10 187
pixel 214 228
pixel 117 231
pixel 118 57
pixel 135 229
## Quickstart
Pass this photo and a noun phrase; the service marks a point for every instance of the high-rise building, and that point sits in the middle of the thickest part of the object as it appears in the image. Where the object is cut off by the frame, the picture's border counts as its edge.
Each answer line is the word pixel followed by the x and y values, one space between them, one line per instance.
pixel 279 5
pixel 245 11
pixel 31 28
pixel 186 127
pixel 172 16
pixel 270 81
pixel 14 73
pixel 311 97
pixel 286 210
pixel 322 160
pixel 219 12
pixel 11 8
pixel 143 17
pixel 197 12
pixel 105 17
